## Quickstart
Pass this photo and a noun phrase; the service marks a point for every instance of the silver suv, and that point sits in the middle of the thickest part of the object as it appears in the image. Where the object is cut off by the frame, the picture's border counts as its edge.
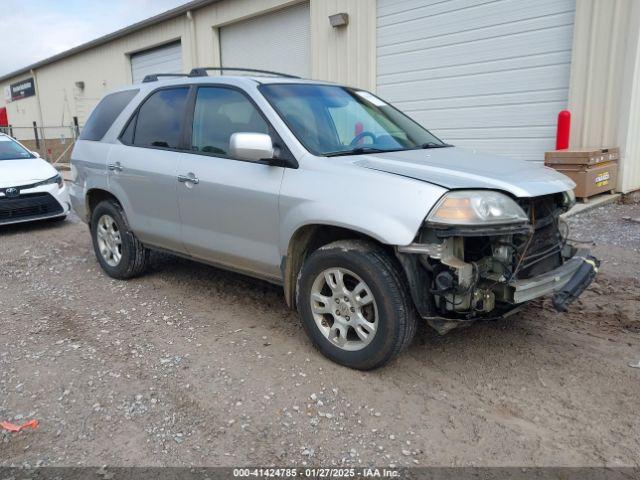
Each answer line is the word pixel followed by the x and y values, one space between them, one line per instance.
pixel 366 219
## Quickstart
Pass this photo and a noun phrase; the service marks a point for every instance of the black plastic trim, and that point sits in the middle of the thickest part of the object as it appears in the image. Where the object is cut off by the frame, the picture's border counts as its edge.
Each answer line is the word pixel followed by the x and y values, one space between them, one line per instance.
pixel 482 231
pixel 187 125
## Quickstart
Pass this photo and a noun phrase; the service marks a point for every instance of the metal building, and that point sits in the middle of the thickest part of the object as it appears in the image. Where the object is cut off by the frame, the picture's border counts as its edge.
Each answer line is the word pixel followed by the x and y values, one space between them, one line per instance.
pixel 490 75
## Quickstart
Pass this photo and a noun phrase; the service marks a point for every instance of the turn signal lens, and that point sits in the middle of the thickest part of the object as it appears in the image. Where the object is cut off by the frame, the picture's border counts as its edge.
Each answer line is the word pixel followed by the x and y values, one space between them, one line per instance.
pixel 454 209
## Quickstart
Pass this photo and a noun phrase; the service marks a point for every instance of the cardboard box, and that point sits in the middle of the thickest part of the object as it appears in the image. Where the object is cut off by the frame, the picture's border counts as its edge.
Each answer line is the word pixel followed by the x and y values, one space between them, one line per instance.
pixel 581 156
pixel 591 179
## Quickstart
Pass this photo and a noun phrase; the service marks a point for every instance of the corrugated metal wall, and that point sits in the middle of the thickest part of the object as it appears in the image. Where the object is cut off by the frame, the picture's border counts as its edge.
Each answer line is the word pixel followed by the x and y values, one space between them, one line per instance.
pixel 279 41
pixel 102 69
pixel 630 135
pixel 343 55
pixel 605 82
pixel 486 75
pixel 165 59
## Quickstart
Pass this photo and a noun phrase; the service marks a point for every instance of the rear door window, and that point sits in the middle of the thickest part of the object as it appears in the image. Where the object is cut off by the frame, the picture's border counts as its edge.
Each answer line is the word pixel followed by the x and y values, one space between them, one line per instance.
pixel 105 114
pixel 160 119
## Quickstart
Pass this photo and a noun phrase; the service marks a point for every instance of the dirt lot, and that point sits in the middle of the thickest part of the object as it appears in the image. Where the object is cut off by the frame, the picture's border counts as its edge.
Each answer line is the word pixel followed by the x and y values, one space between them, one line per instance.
pixel 190 365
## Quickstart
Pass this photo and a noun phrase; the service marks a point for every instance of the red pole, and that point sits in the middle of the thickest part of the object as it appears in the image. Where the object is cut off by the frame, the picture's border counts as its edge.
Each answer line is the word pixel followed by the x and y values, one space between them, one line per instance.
pixel 359 128
pixel 564 126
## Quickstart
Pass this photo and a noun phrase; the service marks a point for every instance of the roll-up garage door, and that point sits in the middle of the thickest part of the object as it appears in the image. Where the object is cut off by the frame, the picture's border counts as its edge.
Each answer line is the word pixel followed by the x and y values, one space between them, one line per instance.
pixel 279 41
pixel 164 59
pixel 489 75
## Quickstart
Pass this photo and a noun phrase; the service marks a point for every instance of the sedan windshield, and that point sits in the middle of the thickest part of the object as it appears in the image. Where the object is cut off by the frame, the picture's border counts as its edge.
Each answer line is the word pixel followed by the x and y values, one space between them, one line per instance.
pixel 332 120
pixel 10 150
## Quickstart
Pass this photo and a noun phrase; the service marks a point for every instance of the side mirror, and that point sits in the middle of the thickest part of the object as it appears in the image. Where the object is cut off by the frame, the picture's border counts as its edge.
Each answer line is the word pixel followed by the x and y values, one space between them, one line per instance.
pixel 35 154
pixel 251 146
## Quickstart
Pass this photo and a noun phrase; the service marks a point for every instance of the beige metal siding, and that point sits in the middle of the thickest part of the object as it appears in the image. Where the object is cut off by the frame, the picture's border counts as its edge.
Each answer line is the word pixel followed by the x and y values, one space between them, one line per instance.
pixel 165 59
pixel 485 75
pixel 629 135
pixel 209 20
pixel 278 41
pixel 102 69
pixel 604 96
pixel 344 54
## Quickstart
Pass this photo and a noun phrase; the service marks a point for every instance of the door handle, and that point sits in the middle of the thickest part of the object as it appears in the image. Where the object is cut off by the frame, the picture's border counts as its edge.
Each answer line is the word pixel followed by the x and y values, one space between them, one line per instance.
pixel 188 178
pixel 115 167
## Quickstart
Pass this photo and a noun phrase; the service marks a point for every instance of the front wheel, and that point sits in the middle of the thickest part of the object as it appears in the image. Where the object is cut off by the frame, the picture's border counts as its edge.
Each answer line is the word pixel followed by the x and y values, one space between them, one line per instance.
pixel 354 304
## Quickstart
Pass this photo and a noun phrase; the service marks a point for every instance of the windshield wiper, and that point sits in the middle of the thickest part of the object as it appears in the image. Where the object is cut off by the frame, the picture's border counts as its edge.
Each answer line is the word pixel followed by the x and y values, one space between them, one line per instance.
pixel 362 150
pixel 357 151
pixel 434 145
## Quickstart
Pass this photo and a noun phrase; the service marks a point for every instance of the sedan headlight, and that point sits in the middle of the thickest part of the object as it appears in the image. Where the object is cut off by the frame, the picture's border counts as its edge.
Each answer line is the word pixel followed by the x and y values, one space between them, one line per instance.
pixel 50 181
pixel 476 207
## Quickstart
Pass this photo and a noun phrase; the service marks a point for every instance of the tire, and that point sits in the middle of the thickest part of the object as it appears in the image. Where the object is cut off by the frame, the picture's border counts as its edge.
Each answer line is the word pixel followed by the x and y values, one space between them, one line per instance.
pixel 393 314
pixel 133 256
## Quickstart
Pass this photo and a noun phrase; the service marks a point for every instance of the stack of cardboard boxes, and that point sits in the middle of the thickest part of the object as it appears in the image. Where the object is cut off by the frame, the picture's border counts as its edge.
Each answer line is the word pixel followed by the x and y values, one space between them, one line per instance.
pixel 595 170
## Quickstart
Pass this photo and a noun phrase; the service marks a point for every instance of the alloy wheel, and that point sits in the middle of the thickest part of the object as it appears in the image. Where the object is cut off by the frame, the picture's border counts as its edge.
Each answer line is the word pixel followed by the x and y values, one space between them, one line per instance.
pixel 344 308
pixel 109 240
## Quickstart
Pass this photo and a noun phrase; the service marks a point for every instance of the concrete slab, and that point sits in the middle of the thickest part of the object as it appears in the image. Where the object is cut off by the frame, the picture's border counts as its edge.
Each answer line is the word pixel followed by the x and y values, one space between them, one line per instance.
pixel 594 202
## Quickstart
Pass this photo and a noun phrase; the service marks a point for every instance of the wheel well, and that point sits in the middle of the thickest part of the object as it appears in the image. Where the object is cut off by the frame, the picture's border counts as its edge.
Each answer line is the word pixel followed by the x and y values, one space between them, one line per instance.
pixel 307 240
pixel 94 197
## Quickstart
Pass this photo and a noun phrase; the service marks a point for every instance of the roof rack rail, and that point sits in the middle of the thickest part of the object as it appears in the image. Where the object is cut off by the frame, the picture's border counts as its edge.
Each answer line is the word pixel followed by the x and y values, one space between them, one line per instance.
pixel 153 77
pixel 202 71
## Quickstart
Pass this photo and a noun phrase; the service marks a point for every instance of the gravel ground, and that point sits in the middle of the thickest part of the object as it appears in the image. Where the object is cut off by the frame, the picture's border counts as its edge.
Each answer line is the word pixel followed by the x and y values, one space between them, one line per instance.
pixel 191 365
pixel 612 232
pixel 614 224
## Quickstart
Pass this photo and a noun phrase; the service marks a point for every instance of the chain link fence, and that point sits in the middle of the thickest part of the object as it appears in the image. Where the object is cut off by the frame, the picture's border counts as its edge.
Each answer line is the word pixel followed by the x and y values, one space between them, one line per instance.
pixel 53 143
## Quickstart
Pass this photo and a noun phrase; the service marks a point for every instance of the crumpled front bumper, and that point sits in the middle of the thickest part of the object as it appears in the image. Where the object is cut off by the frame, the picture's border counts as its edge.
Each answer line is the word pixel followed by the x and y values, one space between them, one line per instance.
pixel 567 281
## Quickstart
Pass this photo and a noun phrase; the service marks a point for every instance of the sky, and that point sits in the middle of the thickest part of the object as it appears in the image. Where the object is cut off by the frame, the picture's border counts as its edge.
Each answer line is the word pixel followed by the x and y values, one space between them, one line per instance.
pixel 33 30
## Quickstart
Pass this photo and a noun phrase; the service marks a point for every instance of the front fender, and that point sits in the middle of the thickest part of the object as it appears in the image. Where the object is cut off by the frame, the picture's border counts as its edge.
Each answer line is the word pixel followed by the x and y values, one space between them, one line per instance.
pixel 386 207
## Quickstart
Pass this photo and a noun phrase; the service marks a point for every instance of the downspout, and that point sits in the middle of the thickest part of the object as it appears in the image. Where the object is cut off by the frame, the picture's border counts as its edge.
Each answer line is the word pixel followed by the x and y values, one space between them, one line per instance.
pixel 193 41
pixel 40 116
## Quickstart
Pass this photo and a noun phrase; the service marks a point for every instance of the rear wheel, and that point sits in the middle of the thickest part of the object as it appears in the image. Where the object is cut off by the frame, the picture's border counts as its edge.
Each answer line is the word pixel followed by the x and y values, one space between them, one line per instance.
pixel 118 251
pixel 354 304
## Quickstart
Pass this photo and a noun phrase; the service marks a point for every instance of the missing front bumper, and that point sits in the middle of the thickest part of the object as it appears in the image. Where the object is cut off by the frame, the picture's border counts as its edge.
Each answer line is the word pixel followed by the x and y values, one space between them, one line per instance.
pixel 567 281
pixel 577 284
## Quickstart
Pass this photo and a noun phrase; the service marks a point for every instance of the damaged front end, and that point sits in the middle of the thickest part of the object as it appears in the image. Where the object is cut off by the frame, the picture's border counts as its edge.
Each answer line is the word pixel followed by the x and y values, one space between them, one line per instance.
pixel 461 269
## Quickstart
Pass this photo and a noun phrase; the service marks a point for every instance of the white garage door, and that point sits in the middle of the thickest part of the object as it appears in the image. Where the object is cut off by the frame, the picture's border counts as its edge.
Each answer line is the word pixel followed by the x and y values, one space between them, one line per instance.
pixel 164 59
pixel 490 75
pixel 278 41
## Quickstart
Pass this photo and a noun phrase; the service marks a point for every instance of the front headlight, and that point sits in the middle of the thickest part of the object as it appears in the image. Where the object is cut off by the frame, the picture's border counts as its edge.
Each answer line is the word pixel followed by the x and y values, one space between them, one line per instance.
pixel 49 181
pixel 476 207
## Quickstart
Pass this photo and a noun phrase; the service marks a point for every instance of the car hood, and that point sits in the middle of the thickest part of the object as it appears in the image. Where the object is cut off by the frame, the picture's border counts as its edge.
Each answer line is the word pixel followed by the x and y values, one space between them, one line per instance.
pixel 25 171
pixel 456 168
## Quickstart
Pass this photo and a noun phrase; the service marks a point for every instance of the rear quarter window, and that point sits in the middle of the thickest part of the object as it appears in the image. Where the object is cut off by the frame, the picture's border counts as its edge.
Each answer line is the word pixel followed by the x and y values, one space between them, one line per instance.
pixel 105 114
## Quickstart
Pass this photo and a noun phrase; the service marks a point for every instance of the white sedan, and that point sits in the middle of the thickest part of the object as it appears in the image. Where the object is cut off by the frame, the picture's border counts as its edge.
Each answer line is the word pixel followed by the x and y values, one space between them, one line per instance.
pixel 30 188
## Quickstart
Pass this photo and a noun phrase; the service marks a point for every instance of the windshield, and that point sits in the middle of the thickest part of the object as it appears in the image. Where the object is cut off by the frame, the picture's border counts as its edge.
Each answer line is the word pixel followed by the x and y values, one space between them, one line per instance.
pixel 10 150
pixel 332 120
